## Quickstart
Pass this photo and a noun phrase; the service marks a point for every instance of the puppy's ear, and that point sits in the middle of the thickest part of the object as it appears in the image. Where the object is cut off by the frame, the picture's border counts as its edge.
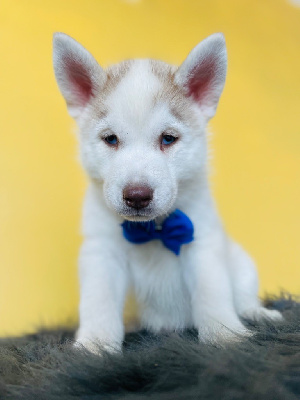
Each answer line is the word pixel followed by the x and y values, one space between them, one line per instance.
pixel 203 73
pixel 77 73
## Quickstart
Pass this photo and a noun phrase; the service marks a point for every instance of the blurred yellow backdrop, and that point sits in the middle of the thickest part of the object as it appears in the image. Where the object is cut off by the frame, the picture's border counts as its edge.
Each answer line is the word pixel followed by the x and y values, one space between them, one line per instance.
pixel 256 141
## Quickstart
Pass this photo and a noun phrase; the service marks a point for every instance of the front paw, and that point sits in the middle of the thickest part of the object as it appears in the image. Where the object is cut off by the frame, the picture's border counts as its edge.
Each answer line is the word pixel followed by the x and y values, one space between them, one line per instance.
pixel 263 314
pixel 218 334
pixel 96 346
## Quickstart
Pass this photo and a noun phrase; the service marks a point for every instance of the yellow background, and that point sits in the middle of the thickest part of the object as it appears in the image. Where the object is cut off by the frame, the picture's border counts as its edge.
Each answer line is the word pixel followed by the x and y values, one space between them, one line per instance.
pixel 256 142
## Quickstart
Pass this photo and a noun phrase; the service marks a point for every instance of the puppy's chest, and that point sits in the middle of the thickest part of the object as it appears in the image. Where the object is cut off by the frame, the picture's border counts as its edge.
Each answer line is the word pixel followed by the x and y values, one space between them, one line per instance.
pixel 158 276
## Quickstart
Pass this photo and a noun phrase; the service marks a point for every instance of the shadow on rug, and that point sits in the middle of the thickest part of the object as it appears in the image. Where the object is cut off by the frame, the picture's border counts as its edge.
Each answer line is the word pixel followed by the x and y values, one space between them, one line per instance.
pixel 266 366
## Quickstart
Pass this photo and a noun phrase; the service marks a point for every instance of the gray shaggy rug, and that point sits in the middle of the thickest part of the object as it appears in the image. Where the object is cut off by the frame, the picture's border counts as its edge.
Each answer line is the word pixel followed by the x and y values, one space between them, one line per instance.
pixel 174 366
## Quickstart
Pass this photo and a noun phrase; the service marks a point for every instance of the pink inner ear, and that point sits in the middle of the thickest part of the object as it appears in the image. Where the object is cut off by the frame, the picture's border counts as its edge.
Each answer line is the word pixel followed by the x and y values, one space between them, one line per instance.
pixel 201 79
pixel 80 81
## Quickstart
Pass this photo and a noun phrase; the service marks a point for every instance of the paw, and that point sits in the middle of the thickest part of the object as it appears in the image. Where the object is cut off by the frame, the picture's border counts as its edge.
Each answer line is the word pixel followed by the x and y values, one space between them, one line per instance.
pixel 262 313
pixel 96 346
pixel 218 334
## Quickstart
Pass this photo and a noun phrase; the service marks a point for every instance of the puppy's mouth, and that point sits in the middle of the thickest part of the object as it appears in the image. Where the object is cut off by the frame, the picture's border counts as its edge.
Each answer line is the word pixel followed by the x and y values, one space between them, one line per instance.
pixel 138 215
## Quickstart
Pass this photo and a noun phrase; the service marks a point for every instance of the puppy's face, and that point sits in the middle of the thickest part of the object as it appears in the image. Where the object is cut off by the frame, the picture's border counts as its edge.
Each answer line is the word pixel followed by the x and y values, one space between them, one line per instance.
pixel 141 138
pixel 141 122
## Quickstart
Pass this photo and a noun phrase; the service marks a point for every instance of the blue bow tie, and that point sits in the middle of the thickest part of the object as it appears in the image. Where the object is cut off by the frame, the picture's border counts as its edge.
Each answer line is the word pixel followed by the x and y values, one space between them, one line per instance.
pixel 175 231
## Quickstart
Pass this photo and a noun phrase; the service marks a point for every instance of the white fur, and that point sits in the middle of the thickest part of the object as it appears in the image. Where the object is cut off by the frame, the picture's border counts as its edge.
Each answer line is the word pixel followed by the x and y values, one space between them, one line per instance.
pixel 213 282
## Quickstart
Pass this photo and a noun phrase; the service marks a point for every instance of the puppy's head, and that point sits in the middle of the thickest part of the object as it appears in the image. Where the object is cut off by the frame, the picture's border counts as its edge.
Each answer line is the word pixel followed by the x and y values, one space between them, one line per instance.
pixel 141 122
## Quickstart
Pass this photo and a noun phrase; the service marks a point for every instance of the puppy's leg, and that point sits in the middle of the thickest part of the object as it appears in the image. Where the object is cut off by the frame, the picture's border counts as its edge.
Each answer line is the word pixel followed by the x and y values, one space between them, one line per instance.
pixel 245 287
pixel 103 283
pixel 209 283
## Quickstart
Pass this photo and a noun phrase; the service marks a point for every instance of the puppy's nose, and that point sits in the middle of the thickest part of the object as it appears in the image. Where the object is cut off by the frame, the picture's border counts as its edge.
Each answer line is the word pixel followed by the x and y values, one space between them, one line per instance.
pixel 137 196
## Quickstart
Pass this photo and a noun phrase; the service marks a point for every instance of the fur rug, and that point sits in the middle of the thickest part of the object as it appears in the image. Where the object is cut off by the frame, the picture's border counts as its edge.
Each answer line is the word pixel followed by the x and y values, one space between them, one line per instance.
pixel 266 366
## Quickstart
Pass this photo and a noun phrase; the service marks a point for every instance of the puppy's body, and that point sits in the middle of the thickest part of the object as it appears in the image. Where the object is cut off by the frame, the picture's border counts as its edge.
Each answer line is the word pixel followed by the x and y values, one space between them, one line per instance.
pixel 142 129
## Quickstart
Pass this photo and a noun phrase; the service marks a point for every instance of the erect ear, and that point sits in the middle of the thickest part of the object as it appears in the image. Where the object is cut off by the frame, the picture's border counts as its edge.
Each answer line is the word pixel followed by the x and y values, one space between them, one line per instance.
pixel 203 73
pixel 77 73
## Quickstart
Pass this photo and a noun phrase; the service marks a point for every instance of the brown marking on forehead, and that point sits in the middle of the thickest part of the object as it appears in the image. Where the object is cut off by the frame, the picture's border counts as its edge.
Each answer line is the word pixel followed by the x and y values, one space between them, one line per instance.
pixel 101 110
pixel 162 70
pixel 176 96
pixel 114 74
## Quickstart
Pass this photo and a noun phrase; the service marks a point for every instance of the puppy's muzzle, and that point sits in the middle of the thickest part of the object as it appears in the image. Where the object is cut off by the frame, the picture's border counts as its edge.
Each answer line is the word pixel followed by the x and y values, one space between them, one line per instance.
pixel 137 197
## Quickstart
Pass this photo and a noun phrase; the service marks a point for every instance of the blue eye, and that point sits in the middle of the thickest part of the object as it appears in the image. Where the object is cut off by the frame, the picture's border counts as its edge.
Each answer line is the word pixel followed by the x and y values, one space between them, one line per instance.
pixel 166 140
pixel 112 140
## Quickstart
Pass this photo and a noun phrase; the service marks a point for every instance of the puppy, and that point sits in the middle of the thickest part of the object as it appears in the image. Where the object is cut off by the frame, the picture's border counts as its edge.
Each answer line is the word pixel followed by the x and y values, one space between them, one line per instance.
pixel 149 219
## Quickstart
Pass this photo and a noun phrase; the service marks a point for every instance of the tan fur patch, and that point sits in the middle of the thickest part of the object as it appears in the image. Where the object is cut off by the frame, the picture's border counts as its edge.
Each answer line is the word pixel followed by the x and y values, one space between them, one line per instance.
pixel 114 73
pixel 175 96
pixel 180 103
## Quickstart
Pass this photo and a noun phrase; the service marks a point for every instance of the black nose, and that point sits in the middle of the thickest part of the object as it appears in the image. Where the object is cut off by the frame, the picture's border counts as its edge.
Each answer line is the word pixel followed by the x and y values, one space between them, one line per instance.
pixel 137 196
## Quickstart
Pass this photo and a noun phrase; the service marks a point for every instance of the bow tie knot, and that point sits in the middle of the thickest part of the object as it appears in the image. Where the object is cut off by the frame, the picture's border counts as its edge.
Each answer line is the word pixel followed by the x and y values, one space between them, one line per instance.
pixel 176 230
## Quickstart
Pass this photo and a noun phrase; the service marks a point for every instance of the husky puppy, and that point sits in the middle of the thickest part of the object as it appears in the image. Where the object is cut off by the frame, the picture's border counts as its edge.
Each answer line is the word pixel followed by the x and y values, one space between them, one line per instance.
pixel 143 143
